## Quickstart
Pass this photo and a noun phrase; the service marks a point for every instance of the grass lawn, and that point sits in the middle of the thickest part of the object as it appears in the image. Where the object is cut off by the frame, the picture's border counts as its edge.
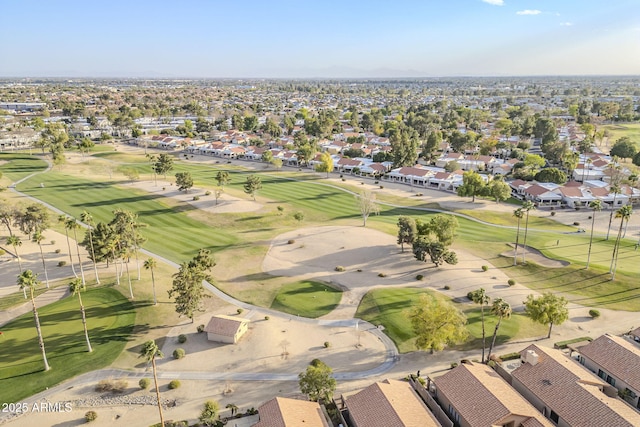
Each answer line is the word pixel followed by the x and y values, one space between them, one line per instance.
pixel 307 299
pixel 617 131
pixel 389 307
pixel 20 165
pixel 110 319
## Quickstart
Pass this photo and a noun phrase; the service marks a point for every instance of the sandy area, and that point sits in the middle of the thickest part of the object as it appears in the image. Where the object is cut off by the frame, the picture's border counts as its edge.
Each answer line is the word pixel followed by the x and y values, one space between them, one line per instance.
pixel 285 344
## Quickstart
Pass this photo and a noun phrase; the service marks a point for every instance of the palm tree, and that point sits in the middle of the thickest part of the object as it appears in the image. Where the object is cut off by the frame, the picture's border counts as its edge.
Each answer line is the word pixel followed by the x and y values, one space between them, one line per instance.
pixel 150 351
pixel 39 238
pixel 15 242
pixel 76 287
pixel 72 224
pixel 624 213
pixel 63 219
pixel 480 297
pixel 526 206
pixel 233 407
pixel 615 189
pixel 86 218
pixel 126 253
pixel 150 264
pixel 518 213
pixel 502 309
pixel 596 205
pixel 28 279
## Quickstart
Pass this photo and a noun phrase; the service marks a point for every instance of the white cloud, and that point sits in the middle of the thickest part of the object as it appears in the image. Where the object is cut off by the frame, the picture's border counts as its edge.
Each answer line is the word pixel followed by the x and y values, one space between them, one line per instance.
pixel 495 2
pixel 529 12
pixel 566 24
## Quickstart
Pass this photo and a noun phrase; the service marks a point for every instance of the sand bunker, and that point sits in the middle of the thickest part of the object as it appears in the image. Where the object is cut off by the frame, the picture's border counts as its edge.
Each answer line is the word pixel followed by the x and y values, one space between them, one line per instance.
pixel 536 256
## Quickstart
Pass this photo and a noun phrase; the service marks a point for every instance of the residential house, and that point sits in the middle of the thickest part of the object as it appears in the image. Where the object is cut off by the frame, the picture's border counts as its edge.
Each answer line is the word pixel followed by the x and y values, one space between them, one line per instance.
pixel 543 194
pixel 226 329
pixel 283 412
pixel 474 395
pixel 568 394
pixel 389 403
pixel 617 361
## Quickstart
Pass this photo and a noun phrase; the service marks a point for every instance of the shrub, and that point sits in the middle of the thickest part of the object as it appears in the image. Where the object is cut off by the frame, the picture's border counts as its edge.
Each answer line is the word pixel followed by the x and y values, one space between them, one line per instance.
pixel 90 416
pixel 470 295
pixel 344 179
pixel 553 213
pixel 590 217
pixel 280 209
pixel 104 385
pixel 57 251
pixel 381 187
pixel 182 338
pixel 576 223
pixel 2 252
pixel 207 193
pixel 510 356
pixel 454 364
pixel 195 198
pixel 144 383
pixel 594 313
pixel 53 242
pixel 266 318
pixel 291 241
pixel 485 267
pixel 419 194
pixel 179 353
pixel 447 287
pixel 339 268
pixel 62 263
pixel 327 344
pixel 419 277
pixel 119 386
pixel 564 344
pixel 382 275
pixel 164 188
pixel 359 270
pixel 200 328
pixel 239 311
pixel 577 208
pixel 174 384
pixel 511 282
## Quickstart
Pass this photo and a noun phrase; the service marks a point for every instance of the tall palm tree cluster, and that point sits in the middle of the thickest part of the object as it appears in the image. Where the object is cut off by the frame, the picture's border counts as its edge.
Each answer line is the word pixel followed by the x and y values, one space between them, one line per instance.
pixel 116 242
pixel 499 308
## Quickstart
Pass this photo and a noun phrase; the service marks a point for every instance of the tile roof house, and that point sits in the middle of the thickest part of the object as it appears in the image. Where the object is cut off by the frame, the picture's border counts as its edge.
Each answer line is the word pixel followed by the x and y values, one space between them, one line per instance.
pixel 389 403
pixel 283 412
pixel 474 395
pixel 226 329
pixel 617 361
pixel 568 394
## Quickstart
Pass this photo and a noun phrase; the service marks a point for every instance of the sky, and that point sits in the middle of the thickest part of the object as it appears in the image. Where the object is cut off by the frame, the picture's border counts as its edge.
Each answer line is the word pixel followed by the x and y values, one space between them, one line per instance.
pixel 318 38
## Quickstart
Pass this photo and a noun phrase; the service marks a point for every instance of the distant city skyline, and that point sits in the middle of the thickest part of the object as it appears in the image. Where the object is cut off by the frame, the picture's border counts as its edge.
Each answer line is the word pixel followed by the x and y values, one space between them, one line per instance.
pixel 318 39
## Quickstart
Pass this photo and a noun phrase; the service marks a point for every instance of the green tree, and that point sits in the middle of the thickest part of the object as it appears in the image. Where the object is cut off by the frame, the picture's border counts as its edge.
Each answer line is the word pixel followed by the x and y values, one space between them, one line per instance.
pixel 39 238
pixel 184 181
pixel 624 148
pixel 76 287
pixel 163 164
pixel 472 185
pixel 437 252
pixel 548 309
pixel 407 231
pixel 326 163
pixel 150 264
pixel 252 185
pixel 267 156
pixel 526 207
pixel 437 323
pixel 317 382
pixel 210 413
pixel 223 178
pixel 29 280
pixel 34 218
pixel 272 128
pixel 188 290
pixel 85 145
pixel 87 219
pixel 624 213
pixel 150 352
pixel 404 146
pixel 498 190
pixel 636 159
pixel 479 296
pixel 298 216
pixel 596 205
pixel 367 205
pixel 502 310
pixel 554 175
pixel 441 227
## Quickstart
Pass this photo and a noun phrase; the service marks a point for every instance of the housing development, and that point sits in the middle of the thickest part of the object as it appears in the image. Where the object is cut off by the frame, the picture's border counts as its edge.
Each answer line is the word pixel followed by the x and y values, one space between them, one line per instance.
pixel 356 252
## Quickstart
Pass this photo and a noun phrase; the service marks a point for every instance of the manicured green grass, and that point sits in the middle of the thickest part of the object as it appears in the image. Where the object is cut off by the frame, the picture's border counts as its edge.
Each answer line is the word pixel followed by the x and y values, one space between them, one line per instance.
pixel 110 319
pixel 20 165
pixel 17 298
pixel 390 307
pixel 518 326
pixel 502 218
pixel 617 131
pixel 307 299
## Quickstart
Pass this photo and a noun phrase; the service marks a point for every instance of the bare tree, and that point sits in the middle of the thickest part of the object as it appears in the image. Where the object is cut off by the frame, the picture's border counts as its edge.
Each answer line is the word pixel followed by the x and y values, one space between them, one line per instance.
pixel 367 205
